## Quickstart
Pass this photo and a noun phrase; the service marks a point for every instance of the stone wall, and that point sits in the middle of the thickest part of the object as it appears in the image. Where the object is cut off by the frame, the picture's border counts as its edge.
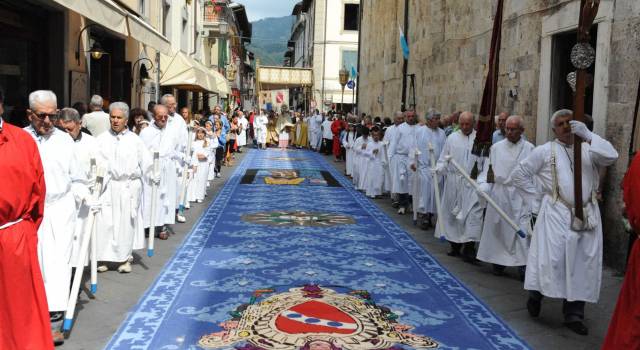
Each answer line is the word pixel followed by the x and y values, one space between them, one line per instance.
pixel 449 42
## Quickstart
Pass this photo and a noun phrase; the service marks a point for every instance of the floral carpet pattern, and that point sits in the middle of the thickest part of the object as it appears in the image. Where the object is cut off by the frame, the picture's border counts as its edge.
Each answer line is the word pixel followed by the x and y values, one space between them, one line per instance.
pixel 305 267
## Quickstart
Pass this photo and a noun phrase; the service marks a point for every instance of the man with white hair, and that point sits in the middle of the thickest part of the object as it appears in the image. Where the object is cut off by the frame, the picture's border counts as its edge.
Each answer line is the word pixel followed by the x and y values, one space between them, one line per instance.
pixel 66 187
pixel 97 121
pixel 461 210
pixel 85 148
pixel 158 139
pixel 402 145
pixel 127 162
pixel 565 256
pixel 425 136
pixel 177 126
pixel 500 133
pixel 499 244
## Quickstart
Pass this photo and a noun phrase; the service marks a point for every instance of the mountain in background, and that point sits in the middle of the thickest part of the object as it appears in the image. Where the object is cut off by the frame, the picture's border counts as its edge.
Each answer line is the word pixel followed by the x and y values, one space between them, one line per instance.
pixel 269 39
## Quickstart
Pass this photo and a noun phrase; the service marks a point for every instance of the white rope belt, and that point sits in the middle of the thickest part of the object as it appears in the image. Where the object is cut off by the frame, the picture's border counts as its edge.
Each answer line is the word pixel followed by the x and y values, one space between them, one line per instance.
pixel 9 224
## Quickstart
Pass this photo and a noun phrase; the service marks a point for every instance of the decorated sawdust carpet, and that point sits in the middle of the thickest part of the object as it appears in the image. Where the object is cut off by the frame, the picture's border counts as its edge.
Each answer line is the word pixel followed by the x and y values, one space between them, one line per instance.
pixel 290 256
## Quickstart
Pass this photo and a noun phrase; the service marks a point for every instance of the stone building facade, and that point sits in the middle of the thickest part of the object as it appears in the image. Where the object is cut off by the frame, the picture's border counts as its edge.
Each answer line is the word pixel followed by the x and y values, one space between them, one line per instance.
pixel 449 44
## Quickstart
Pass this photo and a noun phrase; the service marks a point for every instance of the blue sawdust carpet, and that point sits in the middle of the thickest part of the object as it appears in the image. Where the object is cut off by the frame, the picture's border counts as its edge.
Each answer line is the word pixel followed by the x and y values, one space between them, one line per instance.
pixel 290 256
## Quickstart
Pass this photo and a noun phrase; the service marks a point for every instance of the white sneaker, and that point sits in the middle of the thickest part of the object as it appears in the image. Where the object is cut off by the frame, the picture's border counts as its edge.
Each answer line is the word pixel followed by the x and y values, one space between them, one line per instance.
pixel 218 175
pixel 198 200
pixel 102 268
pixel 180 218
pixel 401 211
pixel 125 268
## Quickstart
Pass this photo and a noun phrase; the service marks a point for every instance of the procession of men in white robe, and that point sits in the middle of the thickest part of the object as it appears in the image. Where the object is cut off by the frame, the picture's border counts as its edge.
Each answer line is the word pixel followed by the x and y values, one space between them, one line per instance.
pixel 562 255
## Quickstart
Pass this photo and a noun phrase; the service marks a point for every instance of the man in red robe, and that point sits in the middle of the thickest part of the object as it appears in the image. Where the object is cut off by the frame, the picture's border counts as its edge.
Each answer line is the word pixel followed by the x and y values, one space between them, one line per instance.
pixel 336 128
pixel 624 328
pixel 24 314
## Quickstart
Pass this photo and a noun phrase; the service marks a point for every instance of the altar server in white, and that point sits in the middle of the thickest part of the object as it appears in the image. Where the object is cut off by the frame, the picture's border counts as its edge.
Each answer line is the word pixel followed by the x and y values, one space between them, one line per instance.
pixel 127 161
pixel 360 171
pixel 200 164
pixel 243 126
pixel 374 161
pixel 66 186
pixel 177 126
pixel 499 244
pixel 398 118
pixel 348 141
pixel 157 138
pixel 431 134
pixel 461 209
pixel 565 256
pixel 402 143
pixel 260 129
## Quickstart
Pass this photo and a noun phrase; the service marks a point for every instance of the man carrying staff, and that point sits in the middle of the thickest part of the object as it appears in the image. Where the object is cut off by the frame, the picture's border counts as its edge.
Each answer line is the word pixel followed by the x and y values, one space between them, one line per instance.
pixel 461 209
pixel 499 244
pixel 126 161
pixel 24 314
pixel 66 186
pixel 565 257
pixel 158 139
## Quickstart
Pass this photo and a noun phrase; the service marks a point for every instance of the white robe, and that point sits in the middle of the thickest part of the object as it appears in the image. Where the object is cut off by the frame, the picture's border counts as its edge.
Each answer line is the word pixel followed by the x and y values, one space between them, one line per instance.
pixel 241 140
pixel 358 171
pixel 348 143
pixel 402 144
pixel 165 143
pixel 85 148
pixel 564 263
pixel 426 195
pixel 178 127
pixel 213 145
pixel 374 161
pixel 202 169
pixel 461 210
pixel 326 129
pixel 315 125
pixel 66 185
pixel 128 162
pixel 260 128
pixel 388 138
pixel 499 243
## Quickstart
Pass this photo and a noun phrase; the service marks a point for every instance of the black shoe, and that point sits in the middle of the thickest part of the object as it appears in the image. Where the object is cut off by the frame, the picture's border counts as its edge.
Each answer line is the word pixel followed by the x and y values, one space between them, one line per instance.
pixel 498 270
pixel 453 253
pixel 577 327
pixel 470 259
pixel 395 204
pixel 534 306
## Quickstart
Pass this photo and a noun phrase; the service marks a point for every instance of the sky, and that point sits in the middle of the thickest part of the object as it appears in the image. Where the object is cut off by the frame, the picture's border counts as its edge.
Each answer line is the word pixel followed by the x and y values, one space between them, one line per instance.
pixel 258 9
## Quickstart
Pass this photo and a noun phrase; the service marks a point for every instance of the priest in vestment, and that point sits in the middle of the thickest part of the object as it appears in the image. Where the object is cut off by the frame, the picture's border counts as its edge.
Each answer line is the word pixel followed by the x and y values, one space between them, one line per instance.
pixel 260 129
pixel 624 328
pixel 66 188
pixel 302 140
pixel 127 161
pixel 565 256
pixel 24 314
pixel 430 134
pixel 402 144
pixel 157 138
pixel 499 244
pixel 461 209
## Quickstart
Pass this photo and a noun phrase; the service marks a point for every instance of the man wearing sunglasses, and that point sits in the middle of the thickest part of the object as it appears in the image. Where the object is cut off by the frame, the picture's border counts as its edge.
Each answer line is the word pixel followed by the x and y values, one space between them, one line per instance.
pixel 66 185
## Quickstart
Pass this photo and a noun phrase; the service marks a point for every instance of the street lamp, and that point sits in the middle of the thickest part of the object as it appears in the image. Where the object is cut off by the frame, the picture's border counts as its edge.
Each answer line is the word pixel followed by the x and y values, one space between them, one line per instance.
pixel 144 73
pixel 96 50
pixel 344 78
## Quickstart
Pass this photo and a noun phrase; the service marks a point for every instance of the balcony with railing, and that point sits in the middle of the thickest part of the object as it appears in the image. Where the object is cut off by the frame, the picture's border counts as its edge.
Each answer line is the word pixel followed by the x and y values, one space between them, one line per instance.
pixel 216 15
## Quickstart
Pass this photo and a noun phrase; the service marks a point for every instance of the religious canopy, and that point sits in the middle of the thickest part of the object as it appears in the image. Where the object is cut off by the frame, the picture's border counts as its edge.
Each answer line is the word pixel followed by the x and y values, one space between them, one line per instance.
pixel 276 78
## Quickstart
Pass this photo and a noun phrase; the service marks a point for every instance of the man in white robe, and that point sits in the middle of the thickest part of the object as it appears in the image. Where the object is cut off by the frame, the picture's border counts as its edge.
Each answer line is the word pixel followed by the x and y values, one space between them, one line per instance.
pixel 316 125
pixel 157 138
pixel 327 135
pixel 66 189
pixel 389 134
pixel 85 149
pixel 348 142
pixel 260 129
pixel 431 134
pixel 243 126
pixel 402 144
pixel 177 126
pixel 565 256
pixel 127 162
pixel 499 244
pixel 461 209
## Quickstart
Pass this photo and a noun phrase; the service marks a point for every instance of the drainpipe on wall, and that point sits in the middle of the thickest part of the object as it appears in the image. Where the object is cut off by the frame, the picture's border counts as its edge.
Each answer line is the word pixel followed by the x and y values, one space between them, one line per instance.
pixel 324 53
pixel 404 60
pixel 357 92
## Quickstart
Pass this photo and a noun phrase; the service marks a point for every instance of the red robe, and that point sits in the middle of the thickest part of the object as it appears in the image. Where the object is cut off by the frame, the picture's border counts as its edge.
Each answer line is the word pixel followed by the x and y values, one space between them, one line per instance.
pixel 336 127
pixel 24 314
pixel 624 328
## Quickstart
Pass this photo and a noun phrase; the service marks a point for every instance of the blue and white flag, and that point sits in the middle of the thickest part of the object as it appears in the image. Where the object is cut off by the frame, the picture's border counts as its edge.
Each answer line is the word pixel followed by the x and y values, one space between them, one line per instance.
pixel 354 72
pixel 403 43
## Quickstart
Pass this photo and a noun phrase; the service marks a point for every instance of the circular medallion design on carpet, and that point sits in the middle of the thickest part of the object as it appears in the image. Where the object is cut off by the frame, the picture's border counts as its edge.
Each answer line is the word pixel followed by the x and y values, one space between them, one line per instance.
pixel 298 218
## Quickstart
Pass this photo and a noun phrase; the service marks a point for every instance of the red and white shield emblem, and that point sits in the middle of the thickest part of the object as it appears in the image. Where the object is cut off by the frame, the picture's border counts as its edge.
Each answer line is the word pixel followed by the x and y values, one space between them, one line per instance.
pixel 315 317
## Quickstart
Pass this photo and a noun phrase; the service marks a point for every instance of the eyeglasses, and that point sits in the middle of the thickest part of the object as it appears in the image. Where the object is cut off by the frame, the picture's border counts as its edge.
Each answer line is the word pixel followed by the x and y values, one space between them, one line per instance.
pixel 43 116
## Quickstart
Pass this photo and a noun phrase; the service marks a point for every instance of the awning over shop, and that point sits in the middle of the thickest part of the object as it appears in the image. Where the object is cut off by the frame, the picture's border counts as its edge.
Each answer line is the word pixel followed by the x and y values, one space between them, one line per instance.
pixel 184 72
pixel 146 34
pixel 275 78
pixel 104 12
